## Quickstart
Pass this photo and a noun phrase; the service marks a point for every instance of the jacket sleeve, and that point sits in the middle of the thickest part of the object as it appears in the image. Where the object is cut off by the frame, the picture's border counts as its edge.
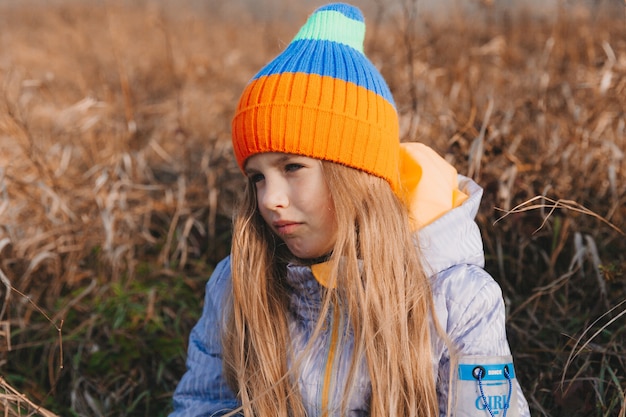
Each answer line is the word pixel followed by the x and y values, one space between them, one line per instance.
pixel 471 310
pixel 203 391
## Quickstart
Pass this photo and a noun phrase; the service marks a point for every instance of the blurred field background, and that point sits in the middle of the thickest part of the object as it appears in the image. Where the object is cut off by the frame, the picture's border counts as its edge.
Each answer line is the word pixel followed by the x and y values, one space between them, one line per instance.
pixel 117 181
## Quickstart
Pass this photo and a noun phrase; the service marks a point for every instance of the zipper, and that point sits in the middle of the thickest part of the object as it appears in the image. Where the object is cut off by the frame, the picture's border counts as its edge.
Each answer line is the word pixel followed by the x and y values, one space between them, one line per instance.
pixel 330 361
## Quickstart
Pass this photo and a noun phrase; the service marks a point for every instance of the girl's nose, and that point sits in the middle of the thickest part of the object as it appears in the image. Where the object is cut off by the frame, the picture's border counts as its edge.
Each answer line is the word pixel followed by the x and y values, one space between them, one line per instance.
pixel 274 195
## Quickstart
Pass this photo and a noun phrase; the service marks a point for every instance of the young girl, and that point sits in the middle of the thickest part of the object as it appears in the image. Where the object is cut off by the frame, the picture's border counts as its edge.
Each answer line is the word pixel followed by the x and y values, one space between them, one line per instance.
pixel 355 284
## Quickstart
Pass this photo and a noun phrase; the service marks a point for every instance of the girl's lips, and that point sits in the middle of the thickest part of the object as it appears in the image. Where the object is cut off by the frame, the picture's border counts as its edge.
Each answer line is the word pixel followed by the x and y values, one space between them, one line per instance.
pixel 285 228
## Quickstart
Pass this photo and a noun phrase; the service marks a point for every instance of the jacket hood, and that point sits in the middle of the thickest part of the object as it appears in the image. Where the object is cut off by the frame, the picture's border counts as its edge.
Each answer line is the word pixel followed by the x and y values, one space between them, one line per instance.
pixel 443 205
pixel 454 238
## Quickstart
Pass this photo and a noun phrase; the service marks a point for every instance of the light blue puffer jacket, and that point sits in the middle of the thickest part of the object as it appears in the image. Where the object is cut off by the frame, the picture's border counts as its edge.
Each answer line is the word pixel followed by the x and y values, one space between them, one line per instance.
pixel 468 302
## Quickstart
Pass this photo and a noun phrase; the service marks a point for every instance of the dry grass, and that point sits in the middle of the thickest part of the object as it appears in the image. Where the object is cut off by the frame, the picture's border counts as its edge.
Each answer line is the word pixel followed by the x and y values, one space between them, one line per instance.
pixel 117 183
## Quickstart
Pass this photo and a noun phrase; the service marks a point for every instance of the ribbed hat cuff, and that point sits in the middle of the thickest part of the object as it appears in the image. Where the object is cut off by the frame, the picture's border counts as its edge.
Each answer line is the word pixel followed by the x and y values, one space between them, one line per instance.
pixel 313 132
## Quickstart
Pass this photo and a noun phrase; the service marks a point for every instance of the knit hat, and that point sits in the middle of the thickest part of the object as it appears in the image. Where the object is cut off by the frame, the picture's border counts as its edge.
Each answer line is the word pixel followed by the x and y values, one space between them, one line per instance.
pixel 322 98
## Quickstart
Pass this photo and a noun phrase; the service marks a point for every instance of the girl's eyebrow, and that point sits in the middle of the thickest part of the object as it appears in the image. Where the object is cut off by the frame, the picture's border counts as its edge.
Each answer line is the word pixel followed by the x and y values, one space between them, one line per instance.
pixel 282 158
pixel 274 162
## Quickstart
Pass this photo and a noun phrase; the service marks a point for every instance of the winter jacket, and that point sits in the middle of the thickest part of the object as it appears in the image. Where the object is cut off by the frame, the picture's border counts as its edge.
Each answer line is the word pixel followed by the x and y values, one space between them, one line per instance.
pixel 468 304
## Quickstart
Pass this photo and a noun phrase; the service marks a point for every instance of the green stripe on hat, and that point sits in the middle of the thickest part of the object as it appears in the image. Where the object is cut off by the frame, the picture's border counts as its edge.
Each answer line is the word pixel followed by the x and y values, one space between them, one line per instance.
pixel 329 25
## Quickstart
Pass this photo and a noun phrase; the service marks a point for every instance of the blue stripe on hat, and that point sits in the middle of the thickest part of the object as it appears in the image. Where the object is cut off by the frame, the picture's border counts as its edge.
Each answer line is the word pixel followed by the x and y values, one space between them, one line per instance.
pixel 327 58
pixel 346 9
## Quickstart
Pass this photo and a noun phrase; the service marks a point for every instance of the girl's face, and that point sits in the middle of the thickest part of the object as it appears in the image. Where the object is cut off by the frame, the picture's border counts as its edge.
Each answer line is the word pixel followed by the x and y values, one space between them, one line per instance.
pixel 295 202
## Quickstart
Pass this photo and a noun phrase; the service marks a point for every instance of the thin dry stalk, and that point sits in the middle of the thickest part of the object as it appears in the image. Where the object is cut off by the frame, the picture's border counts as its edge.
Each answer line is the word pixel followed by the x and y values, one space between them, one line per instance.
pixel 59 327
pixel 129 109
pixel 576 350
pixel 554 205
pixel 14 402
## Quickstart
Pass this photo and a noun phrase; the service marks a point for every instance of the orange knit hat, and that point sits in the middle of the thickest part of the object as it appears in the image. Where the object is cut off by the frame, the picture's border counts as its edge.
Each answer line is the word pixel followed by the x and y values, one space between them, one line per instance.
pixel 322 98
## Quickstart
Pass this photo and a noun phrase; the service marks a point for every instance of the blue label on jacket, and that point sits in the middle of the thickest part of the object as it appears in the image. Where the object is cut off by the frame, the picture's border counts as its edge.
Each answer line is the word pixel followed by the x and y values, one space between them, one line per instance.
pixel 493 372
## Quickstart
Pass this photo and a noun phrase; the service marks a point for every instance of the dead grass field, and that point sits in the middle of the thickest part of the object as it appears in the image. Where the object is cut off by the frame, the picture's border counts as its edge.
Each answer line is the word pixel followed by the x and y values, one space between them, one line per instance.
pixel 117 184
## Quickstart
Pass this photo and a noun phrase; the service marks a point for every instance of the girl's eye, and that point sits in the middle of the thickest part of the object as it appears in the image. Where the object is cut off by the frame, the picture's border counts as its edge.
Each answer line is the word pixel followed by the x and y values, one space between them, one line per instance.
pixel 255 178
pixel 293 167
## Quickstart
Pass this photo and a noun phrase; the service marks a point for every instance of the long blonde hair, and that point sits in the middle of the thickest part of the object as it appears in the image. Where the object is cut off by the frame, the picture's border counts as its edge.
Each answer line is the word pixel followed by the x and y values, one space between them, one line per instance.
pixel 379 281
